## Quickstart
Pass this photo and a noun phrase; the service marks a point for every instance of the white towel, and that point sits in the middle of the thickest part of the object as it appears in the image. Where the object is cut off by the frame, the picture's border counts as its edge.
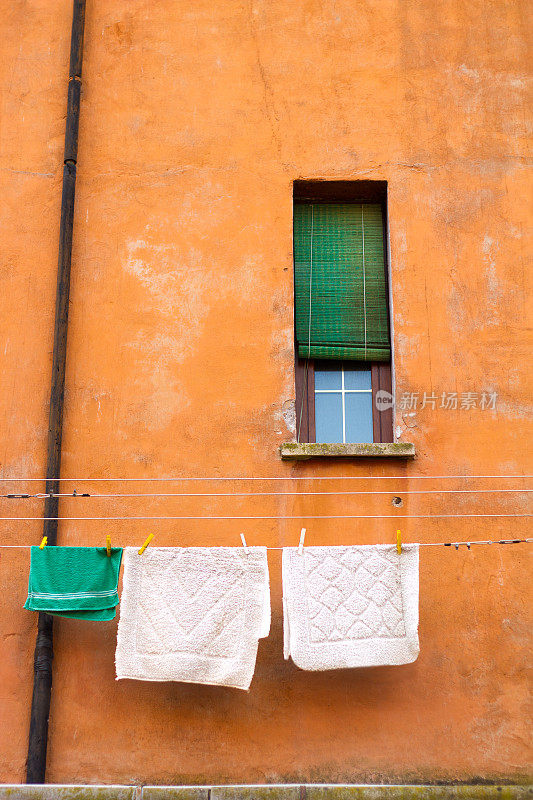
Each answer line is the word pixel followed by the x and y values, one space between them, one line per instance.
pixel 193 614
pixel 350 606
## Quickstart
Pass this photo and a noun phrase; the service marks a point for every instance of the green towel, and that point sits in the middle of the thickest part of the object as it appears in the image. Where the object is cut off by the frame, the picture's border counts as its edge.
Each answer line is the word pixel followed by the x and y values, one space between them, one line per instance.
pixel 77 582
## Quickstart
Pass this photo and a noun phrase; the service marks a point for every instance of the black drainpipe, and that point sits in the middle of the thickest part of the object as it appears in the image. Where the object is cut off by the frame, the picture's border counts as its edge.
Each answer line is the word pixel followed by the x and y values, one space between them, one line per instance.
pixel 42 675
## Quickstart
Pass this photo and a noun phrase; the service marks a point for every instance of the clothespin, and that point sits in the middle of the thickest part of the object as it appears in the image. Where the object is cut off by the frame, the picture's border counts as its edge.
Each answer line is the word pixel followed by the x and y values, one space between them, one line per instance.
pixel 456 545
pixel 43 543
pixel 243 540
pixel 398 541
pixel 468 545
pixel 146 543
pixel 301 544
pixel 108 545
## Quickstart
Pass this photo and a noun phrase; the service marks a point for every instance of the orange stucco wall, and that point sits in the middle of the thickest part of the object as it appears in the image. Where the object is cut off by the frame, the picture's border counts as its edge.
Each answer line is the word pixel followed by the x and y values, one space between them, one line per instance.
pixel 196 118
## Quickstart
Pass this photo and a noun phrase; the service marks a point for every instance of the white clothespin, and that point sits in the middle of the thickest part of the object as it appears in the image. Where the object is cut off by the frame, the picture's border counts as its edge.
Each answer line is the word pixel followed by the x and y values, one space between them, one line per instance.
pixel 301 544
pixel 243 540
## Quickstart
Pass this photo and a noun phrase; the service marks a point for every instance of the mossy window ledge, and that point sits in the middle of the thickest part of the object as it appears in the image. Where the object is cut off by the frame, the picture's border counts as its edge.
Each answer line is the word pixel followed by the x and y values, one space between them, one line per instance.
pixel 304 450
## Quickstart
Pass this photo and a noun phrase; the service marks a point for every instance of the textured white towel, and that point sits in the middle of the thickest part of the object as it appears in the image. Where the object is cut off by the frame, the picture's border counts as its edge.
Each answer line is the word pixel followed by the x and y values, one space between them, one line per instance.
pixel 193 614
pixel 350 606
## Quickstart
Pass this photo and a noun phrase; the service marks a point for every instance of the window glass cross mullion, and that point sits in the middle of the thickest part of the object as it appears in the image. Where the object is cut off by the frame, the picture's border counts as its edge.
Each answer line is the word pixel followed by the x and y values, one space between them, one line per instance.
pixel 343 407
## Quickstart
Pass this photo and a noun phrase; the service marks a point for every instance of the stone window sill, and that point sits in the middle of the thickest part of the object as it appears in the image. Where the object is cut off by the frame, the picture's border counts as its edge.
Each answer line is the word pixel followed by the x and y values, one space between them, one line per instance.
pixel 304 450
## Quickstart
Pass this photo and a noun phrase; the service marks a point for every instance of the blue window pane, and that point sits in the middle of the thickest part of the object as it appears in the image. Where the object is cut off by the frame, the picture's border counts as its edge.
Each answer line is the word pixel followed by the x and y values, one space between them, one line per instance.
pixel 328 376
pixel 328 417
pixel 358 410
pixel 357 378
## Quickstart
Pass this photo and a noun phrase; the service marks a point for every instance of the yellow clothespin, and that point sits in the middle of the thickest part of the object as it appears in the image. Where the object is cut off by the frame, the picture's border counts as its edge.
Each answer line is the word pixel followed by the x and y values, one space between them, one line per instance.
pixel 43 543
pixel 243 540
pixel 398 541
pixel 145 545
pixel 301 543
pixel 108 545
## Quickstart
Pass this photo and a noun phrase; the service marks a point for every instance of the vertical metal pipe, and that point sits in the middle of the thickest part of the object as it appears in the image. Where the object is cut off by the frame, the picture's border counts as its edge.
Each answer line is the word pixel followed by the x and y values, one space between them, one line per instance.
pixel 43 656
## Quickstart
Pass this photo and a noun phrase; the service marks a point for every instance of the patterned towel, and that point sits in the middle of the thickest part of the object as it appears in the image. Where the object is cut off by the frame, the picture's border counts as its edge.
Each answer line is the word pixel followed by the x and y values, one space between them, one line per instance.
pixel 350 606
pixel 193 614
pixel 78 582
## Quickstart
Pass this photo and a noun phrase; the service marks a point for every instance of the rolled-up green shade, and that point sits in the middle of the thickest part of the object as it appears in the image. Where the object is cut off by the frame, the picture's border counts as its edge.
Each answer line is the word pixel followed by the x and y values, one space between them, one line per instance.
pixel 340 278
pixel 345 353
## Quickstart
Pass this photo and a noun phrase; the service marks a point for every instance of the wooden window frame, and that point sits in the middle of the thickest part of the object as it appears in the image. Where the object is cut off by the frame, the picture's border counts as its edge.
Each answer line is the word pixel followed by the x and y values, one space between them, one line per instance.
pixel 382 421
pixel 305 399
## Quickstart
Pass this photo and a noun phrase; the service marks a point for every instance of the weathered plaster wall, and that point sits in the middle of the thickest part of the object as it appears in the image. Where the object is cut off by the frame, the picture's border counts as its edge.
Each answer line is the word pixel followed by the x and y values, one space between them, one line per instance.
pixel 196 118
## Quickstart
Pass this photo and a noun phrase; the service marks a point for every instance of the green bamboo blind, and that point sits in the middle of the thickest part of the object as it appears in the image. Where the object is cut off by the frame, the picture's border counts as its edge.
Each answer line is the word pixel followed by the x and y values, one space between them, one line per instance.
pixel 340 277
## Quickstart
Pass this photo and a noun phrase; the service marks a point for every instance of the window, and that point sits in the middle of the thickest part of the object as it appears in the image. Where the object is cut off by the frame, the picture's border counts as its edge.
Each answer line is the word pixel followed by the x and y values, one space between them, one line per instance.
pixel 343 403
pixel 341 313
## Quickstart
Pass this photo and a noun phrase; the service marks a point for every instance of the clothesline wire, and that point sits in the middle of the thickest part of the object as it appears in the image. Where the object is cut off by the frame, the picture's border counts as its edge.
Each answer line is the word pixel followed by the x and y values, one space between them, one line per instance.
pixel 297 516
pixel 420 544
pixel 80 494
pixel 279 478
